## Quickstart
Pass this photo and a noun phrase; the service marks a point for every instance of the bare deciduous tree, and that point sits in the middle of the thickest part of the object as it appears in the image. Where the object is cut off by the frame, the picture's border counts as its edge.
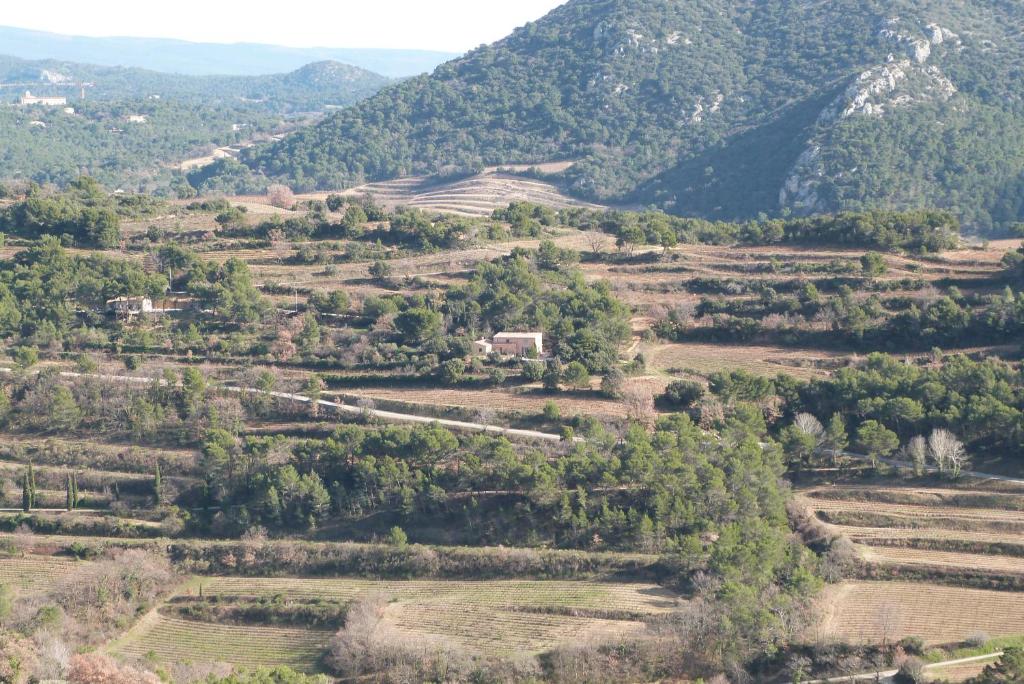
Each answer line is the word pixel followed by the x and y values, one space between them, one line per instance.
pixel 917 452
pixel 810 425
pixel 597 240
pixel 96 668
pixel 281 196
pixel 639 402
pixel 947 451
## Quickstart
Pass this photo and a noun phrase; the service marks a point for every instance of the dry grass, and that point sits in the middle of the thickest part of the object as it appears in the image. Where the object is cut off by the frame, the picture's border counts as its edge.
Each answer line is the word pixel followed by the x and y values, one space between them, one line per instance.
pixel 872 612
pixel 497 631
pixel 496 400
pixel 539 594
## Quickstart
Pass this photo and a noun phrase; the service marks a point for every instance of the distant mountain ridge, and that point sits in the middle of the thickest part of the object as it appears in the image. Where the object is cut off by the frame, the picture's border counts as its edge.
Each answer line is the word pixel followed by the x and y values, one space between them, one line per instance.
pixel 308 88
pixel 208 59
pixel 717 108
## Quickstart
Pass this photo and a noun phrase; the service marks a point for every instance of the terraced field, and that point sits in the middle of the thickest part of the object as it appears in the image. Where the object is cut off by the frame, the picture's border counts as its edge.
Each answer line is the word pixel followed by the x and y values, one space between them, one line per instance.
pixel 925 529
pixel 921 513
pixel 1003 565
pixel 928 527
pixel 479 195
pixel 867 535
pixel 171 640
pixel 491 617
pixel 35 573
pixel 872 612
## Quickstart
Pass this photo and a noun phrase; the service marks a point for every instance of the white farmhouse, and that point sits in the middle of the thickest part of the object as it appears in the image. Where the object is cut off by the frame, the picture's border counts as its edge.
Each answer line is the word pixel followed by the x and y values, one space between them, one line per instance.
pixel 512 344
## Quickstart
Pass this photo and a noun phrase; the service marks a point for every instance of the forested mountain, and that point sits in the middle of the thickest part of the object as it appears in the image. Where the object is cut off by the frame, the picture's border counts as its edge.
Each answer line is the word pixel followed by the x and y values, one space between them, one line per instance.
pixel 309 88
pixel 718 108
pixel 136 126
pixel 184 57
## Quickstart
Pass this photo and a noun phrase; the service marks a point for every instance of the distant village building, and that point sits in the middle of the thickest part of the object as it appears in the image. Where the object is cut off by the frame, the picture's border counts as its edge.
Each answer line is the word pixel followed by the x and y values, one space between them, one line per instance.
pixel 130 306
pixel 69 110
pixel 28 99
pixel 136 118
pixel 37 124
pixel 512 344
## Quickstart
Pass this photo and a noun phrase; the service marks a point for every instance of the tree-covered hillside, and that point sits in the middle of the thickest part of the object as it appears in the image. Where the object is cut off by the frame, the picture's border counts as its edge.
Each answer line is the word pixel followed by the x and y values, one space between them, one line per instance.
pixel 136 126
pixel 719 108
pixel 307 89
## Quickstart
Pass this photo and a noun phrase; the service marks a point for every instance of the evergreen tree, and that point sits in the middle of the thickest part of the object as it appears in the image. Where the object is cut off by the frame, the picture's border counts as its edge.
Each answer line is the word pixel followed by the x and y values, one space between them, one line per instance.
pixel 31 486
pixel 69 503
pixel 26 495
pixel 74 491
pixel 158 492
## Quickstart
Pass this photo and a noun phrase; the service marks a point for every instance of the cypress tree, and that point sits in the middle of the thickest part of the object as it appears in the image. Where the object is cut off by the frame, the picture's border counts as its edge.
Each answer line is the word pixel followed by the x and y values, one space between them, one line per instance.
pixel 31 486
pixel 69 502
pixel 74 490
pixel 26 495
pixel 158 485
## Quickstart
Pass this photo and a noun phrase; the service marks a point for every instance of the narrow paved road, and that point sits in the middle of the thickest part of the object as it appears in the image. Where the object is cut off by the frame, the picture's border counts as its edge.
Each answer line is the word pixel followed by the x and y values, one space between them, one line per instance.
pixel 393 417
pixel 932 469
pixel 387 416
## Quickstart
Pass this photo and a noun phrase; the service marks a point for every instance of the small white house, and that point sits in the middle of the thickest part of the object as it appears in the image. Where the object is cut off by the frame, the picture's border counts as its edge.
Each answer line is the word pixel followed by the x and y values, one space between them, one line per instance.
pixel 130 306
pixel 136 118
pixel 28 99
pixel 512 344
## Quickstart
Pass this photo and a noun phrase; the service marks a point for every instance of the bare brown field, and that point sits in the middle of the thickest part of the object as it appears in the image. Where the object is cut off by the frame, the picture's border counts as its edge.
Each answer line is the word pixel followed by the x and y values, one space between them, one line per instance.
pixel 1002 565
pixel 496 631
pixel 762 360
pixel 873 612
pixel 876 534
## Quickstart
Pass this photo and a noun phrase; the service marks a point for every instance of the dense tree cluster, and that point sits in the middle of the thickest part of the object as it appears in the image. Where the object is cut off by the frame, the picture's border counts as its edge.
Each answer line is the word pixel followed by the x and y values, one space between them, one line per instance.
pixel 85 214
pixel 916 231
pixel 582 322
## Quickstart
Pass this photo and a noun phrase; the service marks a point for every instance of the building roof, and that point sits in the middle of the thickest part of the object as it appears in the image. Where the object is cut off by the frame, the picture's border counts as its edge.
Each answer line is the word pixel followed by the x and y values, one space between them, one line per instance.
pixel 115 300
pixel 520 336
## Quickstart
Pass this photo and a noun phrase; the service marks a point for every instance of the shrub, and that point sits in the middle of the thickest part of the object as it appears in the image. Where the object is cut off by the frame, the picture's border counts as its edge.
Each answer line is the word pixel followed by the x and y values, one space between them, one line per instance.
pixel 684 393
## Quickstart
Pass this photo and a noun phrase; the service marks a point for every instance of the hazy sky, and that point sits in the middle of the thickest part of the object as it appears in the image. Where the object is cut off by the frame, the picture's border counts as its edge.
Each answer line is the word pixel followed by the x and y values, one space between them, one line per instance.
pixel 449 25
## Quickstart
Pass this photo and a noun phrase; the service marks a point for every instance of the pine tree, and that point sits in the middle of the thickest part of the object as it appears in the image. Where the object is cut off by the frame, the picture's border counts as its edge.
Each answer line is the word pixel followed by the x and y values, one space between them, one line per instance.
pixel 158 485
pixel 31 486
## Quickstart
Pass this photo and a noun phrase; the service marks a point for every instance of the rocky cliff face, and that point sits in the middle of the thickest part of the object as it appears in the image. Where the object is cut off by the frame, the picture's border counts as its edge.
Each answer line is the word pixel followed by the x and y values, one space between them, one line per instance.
pixel 905 80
